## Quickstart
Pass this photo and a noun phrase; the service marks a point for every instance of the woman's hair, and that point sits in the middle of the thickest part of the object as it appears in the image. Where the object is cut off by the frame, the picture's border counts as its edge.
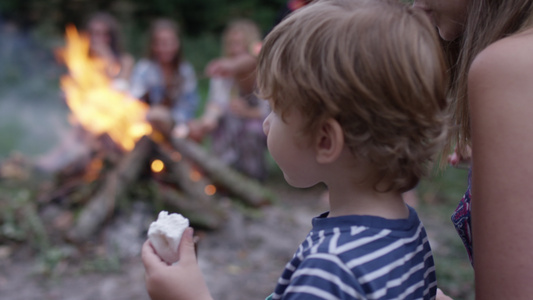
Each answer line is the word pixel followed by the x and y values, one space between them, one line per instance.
pixel 174 87
pixel 487 22
pixel 112 27
pixel 252 34
pixel 375 66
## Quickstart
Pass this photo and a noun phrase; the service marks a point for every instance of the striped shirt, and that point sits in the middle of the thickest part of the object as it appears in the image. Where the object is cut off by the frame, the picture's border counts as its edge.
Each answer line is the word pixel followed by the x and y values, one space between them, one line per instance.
pixel 361 257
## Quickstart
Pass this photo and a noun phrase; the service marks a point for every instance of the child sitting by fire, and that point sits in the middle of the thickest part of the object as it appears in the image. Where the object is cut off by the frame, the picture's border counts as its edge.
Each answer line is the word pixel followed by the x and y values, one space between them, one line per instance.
pixel 166 81
pixel 234 115
pixel 105 44
pixel 357 91
pixel 103 33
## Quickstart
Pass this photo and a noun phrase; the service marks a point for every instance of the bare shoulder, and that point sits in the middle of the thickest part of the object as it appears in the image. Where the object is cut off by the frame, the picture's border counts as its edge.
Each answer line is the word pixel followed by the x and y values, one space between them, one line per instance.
pixel 500 94
pixel 507 61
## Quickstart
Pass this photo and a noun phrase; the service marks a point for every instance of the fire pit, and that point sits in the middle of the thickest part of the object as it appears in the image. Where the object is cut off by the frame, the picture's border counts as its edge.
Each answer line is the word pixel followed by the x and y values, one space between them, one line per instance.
pixel 123 152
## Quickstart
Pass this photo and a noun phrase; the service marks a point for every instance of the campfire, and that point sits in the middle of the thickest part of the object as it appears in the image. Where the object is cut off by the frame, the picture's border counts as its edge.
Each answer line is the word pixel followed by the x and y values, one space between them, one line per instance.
pixel 94 103
pixel 125 153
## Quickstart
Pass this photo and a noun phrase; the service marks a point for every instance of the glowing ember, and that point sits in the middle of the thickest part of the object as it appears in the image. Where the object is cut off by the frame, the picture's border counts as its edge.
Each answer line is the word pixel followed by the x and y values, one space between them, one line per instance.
pixel 195 176
pixel 95 105
pixel 157 165
pixel 210 190
pixel 93 170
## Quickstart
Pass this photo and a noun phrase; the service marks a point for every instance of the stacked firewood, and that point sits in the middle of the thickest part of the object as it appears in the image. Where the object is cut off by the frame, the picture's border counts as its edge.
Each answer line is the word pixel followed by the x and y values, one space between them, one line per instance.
pixel 181 175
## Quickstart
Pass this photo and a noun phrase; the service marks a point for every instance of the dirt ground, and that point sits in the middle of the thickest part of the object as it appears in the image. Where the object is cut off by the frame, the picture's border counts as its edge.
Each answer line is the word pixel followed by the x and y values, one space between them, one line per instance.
pixel 242 260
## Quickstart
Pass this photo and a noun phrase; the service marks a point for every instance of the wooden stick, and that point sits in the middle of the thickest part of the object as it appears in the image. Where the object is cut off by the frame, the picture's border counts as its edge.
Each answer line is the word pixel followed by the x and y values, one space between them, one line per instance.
pixel 100 207
pixel 192 199
pixel 247 190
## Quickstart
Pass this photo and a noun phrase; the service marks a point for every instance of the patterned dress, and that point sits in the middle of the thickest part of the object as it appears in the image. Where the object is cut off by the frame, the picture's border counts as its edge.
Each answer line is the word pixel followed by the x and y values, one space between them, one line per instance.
pixel 461 219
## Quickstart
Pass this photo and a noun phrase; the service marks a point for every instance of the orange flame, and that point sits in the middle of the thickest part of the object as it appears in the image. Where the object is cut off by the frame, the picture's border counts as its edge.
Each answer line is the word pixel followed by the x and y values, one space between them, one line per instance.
pixel 94 103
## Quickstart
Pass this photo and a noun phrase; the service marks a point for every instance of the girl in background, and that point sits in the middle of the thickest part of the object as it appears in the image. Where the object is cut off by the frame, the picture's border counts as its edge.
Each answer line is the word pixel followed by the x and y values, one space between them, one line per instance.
pixel 103 32
pixel 234 115
pixel 164 79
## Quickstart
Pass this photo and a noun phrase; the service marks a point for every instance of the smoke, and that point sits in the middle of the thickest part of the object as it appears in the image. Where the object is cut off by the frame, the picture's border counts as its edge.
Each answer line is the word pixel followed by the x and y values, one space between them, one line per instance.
pixel 33 115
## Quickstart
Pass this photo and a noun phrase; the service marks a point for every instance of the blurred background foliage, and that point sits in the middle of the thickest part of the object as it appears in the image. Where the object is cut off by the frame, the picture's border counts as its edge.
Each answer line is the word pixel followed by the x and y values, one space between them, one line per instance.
pixel 201 21
pixel 196 17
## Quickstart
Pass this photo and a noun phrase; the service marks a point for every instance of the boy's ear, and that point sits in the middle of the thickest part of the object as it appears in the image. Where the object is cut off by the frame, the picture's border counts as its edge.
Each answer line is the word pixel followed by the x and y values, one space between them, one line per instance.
pixel 330 141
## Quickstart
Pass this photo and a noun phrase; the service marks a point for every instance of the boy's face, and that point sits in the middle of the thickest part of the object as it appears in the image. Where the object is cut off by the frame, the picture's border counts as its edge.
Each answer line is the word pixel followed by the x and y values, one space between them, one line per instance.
pixel 290 149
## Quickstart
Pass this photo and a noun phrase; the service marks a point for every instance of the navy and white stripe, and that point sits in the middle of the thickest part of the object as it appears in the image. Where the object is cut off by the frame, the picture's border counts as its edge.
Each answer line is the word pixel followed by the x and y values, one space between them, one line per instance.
pixel 361 257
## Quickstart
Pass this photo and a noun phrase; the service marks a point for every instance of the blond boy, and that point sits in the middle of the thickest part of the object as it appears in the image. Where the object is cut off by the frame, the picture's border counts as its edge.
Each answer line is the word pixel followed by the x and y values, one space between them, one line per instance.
pixel 356 89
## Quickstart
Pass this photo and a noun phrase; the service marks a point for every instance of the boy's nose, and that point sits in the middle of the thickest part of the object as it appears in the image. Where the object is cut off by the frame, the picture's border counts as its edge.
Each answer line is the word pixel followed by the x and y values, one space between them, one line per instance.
pixel 266 124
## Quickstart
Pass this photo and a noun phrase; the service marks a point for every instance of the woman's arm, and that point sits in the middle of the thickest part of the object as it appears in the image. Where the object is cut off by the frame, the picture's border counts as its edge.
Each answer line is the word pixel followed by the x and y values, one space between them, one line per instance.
pixel 501 103
pixel 239 66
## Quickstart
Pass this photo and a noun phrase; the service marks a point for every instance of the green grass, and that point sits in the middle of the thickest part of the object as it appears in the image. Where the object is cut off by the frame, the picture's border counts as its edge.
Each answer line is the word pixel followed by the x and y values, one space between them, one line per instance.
pixel 438 198
pixel 10 134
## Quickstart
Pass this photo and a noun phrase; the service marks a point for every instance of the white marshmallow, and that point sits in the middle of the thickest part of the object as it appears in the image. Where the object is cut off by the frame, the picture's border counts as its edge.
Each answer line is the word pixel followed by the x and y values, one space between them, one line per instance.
pixel 165 235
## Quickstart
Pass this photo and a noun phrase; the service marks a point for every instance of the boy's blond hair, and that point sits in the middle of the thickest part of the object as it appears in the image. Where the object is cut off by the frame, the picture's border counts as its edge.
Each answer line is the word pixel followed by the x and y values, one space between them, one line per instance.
pixel 376 67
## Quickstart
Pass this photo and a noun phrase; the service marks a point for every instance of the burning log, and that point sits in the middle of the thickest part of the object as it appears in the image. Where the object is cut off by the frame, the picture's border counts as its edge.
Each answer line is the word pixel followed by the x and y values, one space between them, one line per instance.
pixel 99 208
pixel 249 191
pixel 184 181
pixel 79 172
pixel 183 174
pixel 196 199
pixel 192 196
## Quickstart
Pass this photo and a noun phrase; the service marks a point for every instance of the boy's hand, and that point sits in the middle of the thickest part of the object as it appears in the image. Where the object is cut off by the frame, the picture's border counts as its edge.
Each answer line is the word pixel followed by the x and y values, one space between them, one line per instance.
pixel 181 281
